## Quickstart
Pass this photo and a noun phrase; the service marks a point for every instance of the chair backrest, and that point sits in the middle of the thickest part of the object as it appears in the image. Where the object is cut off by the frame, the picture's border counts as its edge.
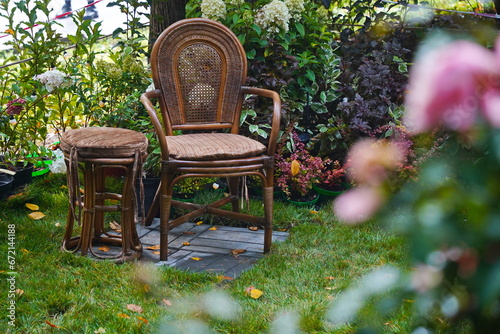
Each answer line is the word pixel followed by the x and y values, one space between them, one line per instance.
pixel 199 65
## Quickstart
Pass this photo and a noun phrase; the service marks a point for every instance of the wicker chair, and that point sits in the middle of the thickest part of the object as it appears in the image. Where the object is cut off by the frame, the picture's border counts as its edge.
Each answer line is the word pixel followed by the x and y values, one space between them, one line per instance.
pixel 199 68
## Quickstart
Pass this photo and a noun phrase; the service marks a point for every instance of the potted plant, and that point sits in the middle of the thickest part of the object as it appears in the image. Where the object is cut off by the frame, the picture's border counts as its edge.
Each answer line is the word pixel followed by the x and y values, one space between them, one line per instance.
pixel 297 172
pixel 332 181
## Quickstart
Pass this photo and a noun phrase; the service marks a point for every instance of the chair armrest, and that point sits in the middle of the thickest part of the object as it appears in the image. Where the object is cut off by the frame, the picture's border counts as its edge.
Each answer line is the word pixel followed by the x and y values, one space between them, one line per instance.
pixel 145 99
pixel 276 119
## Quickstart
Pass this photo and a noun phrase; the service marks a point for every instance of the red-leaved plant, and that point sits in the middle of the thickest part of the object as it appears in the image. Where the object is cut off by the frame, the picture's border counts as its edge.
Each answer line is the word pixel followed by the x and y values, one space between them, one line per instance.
pixel 296 173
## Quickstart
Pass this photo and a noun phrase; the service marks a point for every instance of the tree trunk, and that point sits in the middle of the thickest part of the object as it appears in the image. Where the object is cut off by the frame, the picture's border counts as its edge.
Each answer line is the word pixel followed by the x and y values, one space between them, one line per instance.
pixel 163 14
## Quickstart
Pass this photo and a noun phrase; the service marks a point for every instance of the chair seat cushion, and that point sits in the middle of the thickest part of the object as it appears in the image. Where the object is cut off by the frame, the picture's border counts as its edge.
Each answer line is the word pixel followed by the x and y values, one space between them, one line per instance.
pixel 103 142
pixel 213 146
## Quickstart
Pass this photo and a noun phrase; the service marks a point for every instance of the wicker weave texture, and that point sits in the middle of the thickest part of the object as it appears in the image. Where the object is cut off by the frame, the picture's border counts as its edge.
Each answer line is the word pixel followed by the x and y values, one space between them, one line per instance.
pixel 200 71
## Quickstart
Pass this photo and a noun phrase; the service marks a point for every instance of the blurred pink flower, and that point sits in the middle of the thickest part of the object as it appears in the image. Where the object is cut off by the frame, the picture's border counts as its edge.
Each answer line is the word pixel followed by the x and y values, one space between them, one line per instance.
pixel 371 160
pixel 447 86
pixel 357 205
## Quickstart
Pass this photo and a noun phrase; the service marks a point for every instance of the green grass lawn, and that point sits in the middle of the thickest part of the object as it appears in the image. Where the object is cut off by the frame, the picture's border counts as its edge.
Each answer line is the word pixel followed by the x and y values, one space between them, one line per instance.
pixel 300 278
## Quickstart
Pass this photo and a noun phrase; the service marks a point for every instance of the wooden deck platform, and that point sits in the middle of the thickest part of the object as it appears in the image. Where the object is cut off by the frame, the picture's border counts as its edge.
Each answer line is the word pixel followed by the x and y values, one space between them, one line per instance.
pixel 207 248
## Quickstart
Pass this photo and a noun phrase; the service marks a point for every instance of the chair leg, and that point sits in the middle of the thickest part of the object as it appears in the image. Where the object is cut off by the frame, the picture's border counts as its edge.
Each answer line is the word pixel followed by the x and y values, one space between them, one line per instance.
pixel 268 216
pixel 166 191
pixel 155 206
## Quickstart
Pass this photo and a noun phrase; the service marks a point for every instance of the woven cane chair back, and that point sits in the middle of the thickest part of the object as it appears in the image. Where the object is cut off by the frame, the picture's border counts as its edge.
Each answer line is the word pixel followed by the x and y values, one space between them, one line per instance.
pixel 199 66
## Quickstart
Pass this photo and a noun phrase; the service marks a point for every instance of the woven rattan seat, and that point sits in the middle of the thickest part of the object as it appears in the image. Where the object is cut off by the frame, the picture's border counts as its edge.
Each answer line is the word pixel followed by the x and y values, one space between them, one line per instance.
pixel 199 68
pixel 102 142
pixel 211 146
pixel 94 151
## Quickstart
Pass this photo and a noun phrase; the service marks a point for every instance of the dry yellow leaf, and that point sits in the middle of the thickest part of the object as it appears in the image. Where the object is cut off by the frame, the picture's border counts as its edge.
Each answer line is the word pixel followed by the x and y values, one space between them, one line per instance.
pixel 185 243
pixel 51 324
pixel 36 215
pixel 253 228
pixel 156 253
pixel 104 248
pixel 167 302
pixel 25 251
pixel 32 207
pixel 143 320
pixel 253 292
pixel 314 212
pixel 147 288
pixel 155 247
pixel 123 315
pixel 196 258
pixel 238 251
pixel 199 223
pixel 134 308
pixel 19 292
pixel 295 167
pixel 115 226
pixel 213 228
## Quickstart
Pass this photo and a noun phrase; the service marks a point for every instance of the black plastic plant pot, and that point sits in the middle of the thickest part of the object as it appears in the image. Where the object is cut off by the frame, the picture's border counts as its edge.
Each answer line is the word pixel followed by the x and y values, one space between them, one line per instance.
pixel 5 185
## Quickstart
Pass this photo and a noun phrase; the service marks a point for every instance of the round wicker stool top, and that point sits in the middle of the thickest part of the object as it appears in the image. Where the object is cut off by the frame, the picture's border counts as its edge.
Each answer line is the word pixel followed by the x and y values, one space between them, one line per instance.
pixel 104 142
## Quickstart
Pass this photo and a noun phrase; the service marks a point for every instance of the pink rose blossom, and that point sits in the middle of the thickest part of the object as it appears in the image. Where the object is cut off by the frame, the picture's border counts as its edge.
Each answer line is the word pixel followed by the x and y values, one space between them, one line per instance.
pixel 357 205
pixel 371 160
pixel 447 86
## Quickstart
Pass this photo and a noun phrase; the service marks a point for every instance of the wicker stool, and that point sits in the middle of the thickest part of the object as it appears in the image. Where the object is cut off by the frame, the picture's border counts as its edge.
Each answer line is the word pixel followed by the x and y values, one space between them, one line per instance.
pixel 91 150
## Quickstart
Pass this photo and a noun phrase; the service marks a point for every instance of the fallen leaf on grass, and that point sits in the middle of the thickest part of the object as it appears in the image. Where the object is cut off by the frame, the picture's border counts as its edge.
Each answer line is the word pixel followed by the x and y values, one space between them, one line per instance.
pixel 134 308
pixel 167 302
pixel 213 228
pixel 330 278
pixel 253 292
pixel 19 292
pixel 238 251
pixel 143 320
pixel 223 277
pixel 51 324
pixel 253 228
pixel 115 226
pixel 100 331
pixel 25 251
pixel 123 315
pixel 196 258
pixel 32 207
pixel 314 212
pixel 155 247
pixel 104 248
pixel 36 215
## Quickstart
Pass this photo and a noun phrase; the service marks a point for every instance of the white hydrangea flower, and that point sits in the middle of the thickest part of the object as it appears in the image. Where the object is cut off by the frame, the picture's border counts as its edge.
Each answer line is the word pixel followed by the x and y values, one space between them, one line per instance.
pixel 295 7
pixel 273 16
pixel 213 9
pixel 58 165
pixel 53 79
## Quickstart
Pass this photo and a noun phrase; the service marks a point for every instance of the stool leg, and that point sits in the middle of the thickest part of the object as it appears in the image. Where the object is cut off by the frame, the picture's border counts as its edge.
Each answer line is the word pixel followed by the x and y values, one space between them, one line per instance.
pixel 88 209
pixel 100 180
pixel 128 213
